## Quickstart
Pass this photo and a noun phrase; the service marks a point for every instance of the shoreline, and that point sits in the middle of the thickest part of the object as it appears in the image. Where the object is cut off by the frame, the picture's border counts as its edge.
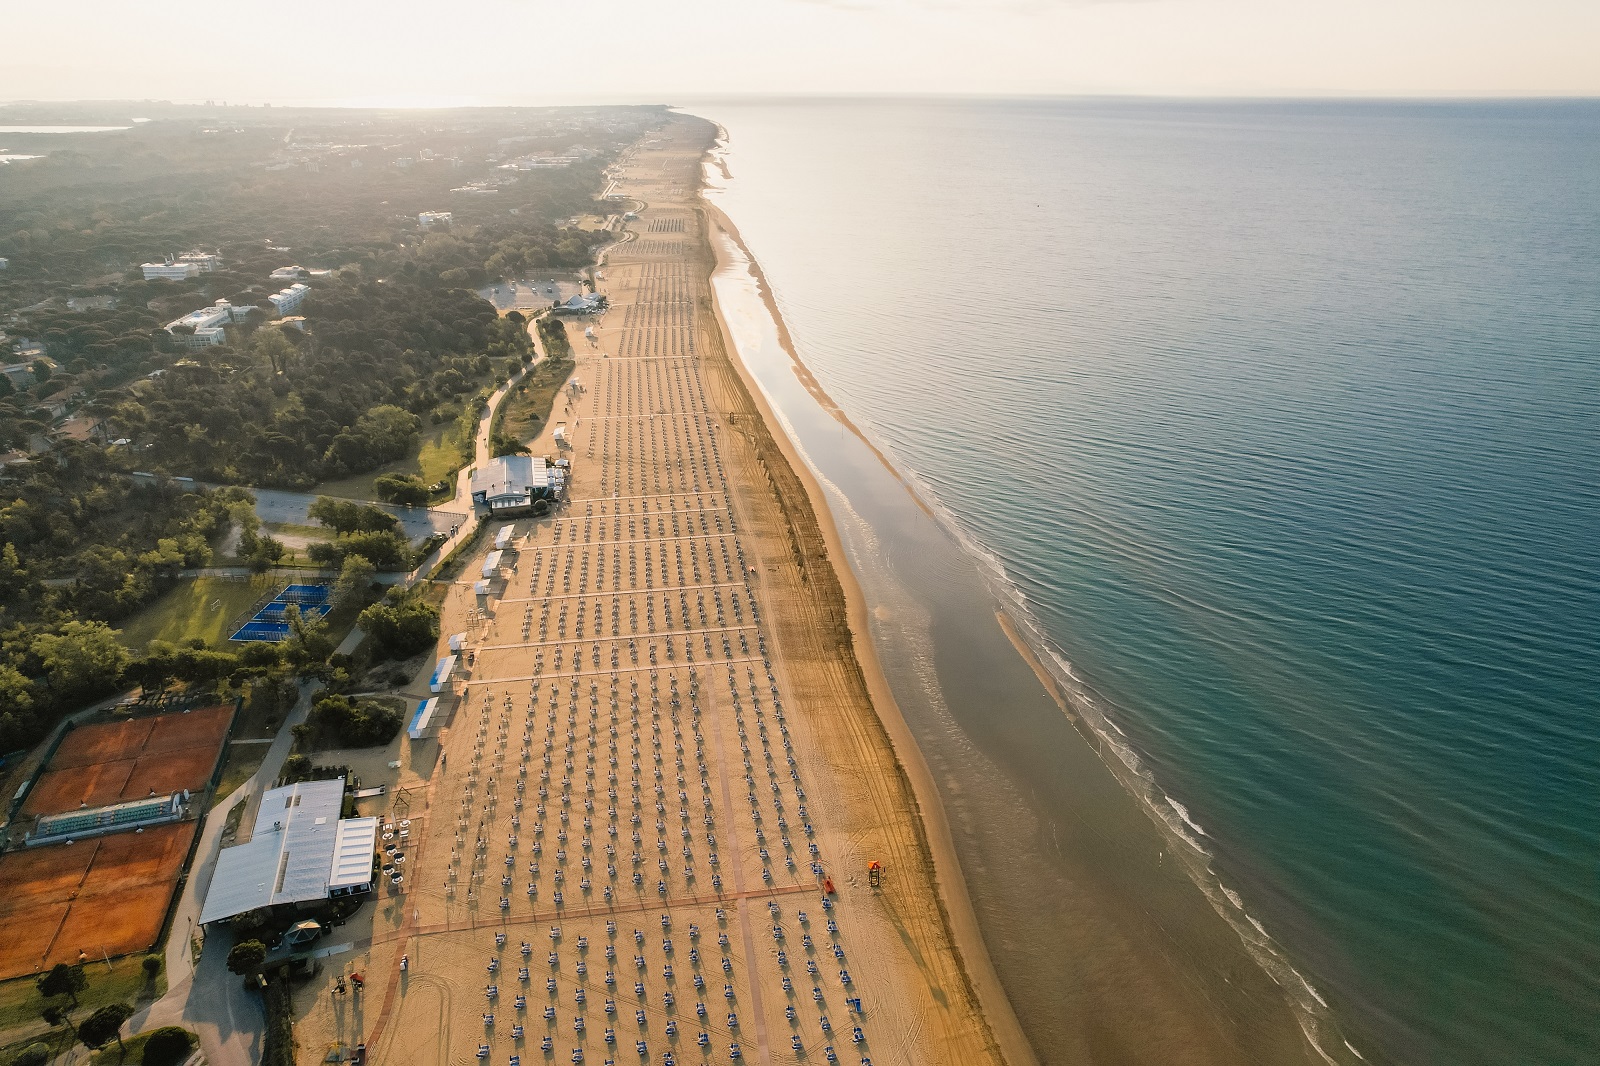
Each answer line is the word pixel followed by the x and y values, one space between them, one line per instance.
pixel 950 885
pixel 1305 1021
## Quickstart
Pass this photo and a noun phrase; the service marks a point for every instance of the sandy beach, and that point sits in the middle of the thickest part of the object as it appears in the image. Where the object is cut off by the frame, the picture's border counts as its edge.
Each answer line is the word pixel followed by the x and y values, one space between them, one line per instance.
pixel 664 744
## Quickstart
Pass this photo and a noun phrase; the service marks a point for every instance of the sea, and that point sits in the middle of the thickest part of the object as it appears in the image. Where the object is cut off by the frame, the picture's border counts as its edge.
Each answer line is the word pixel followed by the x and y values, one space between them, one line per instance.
pixel 1270 432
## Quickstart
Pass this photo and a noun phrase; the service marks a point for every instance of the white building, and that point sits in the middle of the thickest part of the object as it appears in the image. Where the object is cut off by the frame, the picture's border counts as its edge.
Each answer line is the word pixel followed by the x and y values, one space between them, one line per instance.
pixel 5 264
pixel 510 482
pixel 207 324
pixel 289 299
pixel 584 303
pixel 170 271
pixel 288 273
pixel 205 262
pixel 428 219
pixel 300 852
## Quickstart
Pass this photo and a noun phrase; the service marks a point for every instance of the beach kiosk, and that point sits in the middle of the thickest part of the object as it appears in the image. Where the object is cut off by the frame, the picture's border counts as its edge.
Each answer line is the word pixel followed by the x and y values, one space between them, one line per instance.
pixel 457 641
pixel 441 674
pixel 480 588
pixel 423 718
pixel 492 563
pixel 502 538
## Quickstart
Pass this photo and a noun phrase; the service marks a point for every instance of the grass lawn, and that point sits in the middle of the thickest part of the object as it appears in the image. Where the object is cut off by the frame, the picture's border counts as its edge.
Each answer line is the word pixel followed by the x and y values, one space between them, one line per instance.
pixel 438 457
pixel 57 1040
pixel 125 982
pixel 527 408
pixel 297 530
pixel 132 1049
pixel 242 763
pixel 199 607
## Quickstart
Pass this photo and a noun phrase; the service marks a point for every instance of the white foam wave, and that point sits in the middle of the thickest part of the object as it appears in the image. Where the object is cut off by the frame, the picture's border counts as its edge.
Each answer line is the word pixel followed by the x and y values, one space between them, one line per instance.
pixel 1183 812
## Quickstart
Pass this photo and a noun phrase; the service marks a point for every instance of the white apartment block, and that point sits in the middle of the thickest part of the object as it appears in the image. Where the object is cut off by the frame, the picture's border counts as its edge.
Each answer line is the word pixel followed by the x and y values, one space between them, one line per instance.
pixel 170 271
pixel 207 324
pixel 289 299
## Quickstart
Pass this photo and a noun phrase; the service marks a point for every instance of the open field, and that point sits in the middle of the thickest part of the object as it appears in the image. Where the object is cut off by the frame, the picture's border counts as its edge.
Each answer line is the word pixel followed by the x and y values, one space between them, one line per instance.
pixel 527 410
pixel 105 896
pixel 199 608
pixel 123 981
pixel 114 761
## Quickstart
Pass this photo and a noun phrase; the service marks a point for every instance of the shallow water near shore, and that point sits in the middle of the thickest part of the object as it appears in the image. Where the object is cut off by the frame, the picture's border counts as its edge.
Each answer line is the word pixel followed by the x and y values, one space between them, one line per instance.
pixel 1277 423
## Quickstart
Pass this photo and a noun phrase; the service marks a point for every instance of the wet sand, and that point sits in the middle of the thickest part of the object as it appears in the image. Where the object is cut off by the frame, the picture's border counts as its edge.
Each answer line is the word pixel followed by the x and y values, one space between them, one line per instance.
pixel 1098 925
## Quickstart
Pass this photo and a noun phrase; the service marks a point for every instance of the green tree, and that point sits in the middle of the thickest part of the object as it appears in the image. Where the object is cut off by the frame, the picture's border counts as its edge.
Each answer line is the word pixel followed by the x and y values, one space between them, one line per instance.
pixel 33 1055
pixel 347 516
pixel 152 966
pixel 63 980
pixel 104 1025
pixel 270 345
pixel 386 551
pixel 500 444
pixel 249 923
pixel 355 580
pixel 16 701
pixel 309 645
pixel 246 957
pixel 167 1046
pixel 407 490
pixel 403 623
pixel 81 658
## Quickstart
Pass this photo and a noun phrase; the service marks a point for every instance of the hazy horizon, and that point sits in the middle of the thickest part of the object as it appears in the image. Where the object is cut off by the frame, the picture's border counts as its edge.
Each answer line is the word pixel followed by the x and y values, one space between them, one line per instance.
pixel 522 52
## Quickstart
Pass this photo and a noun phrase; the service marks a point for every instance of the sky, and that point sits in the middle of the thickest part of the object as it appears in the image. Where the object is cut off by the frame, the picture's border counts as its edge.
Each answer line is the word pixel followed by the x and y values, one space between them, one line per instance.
pixel 402 52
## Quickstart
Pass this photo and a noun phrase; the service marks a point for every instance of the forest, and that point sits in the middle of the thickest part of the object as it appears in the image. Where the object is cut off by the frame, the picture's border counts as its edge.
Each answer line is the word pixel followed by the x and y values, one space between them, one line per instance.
pixel 392 339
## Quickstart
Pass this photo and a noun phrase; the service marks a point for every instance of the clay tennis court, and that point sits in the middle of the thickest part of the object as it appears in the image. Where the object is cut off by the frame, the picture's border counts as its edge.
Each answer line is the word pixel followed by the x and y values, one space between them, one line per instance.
pixel 106 895
pixel 116 761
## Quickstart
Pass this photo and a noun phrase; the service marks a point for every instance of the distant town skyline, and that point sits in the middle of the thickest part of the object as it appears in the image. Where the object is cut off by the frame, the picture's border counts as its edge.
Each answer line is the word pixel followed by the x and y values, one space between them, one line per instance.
pixel 407 53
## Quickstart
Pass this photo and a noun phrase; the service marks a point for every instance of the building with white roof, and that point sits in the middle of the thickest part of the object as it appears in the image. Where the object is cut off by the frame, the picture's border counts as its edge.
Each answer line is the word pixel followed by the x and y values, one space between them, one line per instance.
pixel 300 852
pixel 428 219
pixel 583 303
pixel 289 299
pixel 207 324
pixel 170 271
pixel 510 482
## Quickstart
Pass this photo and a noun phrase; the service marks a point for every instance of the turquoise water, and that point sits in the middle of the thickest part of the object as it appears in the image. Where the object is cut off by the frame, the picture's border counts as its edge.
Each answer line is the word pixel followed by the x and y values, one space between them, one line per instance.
pixel 1283 422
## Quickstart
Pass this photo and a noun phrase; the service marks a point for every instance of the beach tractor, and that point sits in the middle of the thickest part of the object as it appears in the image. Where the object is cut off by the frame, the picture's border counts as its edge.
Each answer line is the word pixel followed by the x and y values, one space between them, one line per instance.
pixel 875 874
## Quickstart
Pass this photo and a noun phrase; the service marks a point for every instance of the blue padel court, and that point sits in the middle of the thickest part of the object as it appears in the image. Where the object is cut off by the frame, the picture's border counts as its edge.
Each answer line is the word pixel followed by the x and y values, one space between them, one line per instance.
pixel 271 622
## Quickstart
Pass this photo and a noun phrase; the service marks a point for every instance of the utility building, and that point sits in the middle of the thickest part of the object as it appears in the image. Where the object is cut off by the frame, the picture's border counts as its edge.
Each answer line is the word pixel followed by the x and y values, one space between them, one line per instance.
pixel 300 852
pixel 511 482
